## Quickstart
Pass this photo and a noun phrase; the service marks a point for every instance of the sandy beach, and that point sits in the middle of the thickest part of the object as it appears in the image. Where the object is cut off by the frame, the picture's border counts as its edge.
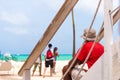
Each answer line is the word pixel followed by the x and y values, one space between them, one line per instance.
pixel 13 74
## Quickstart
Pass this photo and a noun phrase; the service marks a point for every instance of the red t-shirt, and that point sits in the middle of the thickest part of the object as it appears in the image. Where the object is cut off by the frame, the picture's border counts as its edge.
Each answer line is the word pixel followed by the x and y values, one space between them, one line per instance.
pixel 98 50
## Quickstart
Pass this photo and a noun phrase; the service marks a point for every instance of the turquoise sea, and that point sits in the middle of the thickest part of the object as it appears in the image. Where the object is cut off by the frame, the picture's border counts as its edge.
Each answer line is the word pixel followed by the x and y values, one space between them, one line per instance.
pixel 23 57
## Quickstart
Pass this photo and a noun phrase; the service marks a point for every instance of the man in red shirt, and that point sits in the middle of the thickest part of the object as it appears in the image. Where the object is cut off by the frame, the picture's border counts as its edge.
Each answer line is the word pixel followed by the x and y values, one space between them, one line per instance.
pixel 97 51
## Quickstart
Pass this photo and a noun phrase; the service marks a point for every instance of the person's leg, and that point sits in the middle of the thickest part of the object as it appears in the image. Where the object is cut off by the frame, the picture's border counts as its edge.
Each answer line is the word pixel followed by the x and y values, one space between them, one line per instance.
pixel 40 67
pixel 44 71
pixel 35 66
pixel 51 71
pixel 51 67
pixel 46 65
pixel 54 64
pixel 68 76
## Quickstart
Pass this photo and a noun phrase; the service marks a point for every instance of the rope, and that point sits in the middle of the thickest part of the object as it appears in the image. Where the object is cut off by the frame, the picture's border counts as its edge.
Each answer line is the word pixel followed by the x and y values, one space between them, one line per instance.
pixel 115 10
pixel 95 14
pixel 111 18
pixel 82 45
pixel 88 54
pixel 94 41
pixel 71 64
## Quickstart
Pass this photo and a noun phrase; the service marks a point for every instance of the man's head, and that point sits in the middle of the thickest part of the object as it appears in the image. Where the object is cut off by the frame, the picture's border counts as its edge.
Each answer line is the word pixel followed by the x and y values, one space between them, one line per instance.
pixel 90 36
pixel 49 45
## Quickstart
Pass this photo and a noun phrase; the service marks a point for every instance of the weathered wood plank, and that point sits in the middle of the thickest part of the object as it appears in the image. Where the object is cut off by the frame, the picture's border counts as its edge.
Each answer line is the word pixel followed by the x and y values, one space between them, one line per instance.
pixel 49 33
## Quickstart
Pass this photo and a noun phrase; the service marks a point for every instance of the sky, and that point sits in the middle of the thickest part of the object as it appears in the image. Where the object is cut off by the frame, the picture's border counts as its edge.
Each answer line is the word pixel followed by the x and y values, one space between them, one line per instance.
pixel 23 22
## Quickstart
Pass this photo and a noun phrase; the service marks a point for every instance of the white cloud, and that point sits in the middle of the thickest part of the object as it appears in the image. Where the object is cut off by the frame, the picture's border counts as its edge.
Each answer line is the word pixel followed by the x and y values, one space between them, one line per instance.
pixel 14 18
pixel 16 30
pixel 54 4
pixel 91 5
pixel 88 6
pixel 115 3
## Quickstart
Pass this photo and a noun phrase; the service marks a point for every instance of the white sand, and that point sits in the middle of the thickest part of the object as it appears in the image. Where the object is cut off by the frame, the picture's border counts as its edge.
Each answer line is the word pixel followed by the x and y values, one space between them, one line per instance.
pixel 13 74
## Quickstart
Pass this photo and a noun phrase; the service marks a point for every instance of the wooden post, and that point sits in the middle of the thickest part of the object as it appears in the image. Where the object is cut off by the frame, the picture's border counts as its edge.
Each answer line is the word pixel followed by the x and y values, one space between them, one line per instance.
pixel 108 38
pixel 40 65
pixel 74 36
pixel 26 74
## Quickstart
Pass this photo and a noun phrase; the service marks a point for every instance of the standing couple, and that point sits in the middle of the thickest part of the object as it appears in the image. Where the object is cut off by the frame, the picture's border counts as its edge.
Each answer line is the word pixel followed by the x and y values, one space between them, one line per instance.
pixel 50 59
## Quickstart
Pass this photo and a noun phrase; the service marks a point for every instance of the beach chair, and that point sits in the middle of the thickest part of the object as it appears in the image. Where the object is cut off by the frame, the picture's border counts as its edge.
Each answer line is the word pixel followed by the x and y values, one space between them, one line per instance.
pixel 5 66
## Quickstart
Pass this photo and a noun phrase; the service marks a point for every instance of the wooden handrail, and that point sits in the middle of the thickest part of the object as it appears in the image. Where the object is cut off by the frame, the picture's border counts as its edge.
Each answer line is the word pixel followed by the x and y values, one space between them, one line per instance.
pixel 116 17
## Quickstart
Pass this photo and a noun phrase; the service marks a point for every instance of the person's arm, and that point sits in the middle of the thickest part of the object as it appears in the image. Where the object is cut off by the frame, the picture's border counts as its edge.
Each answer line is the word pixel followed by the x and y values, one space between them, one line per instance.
pixel 56 53
pixel 76 62
pixel 45 54
pixel 70 62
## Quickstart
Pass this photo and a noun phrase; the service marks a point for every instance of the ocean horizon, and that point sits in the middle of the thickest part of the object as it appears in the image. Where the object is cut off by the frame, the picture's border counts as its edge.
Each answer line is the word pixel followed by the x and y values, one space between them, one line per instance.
pixel 23 57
